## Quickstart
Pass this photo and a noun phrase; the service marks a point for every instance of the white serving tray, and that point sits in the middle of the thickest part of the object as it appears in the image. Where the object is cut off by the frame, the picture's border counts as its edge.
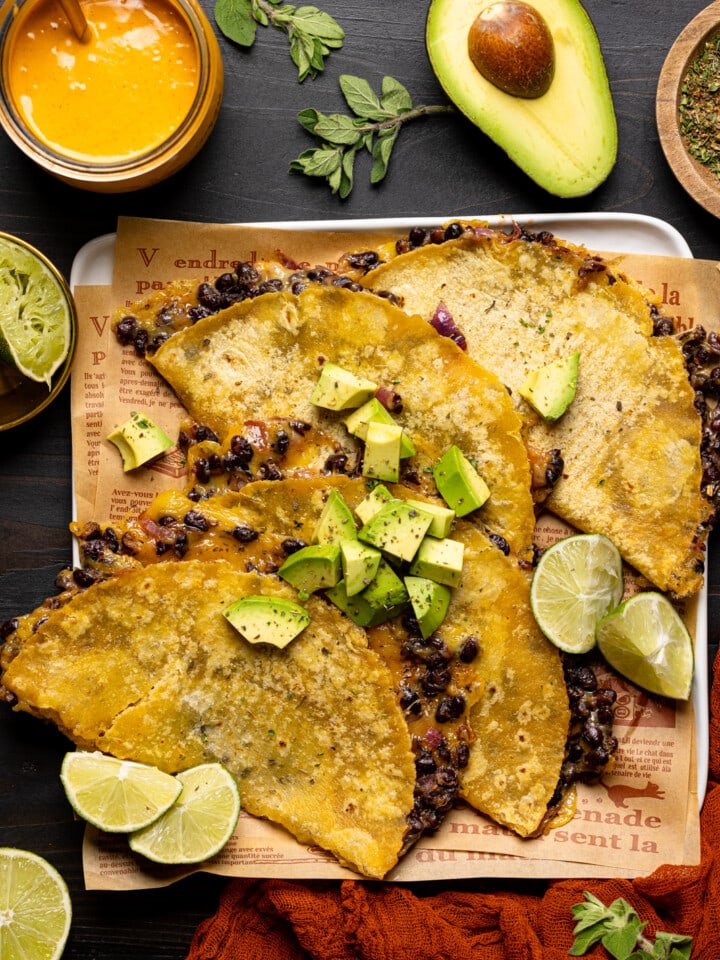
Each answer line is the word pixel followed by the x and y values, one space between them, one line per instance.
pixel 617 232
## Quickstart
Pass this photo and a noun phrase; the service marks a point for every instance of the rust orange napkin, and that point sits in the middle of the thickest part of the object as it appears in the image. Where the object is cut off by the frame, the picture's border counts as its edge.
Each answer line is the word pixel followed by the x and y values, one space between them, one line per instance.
pixel 352 920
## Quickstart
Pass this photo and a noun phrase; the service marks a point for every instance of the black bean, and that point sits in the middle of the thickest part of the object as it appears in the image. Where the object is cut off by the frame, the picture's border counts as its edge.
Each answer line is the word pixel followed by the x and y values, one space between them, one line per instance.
pixel 203 432
pixel 225 282
pixel 469 649
pixel 84 578
pixel 8 627
pixel 202 470
pixel 242 448
pixel 281 444
pixel 140 341
pixel 269 470
pixel 196 520
pixel 500 542
pixel 244 532
pixel 111 539
pixel 425 764
pixel 336 463
pixel 592 734
pixel 292 545
pixel 93 549
pixel 247 273
pixel 125 330
pixel 453 231
pixel 450 708
pixel 198 313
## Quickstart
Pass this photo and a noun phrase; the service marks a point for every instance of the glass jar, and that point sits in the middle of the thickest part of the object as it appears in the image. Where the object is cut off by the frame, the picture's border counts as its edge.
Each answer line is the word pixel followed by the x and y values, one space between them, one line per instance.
pixel 138 165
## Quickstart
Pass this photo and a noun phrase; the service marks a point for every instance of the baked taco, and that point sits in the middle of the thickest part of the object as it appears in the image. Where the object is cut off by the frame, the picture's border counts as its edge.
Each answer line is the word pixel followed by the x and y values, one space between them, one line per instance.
pixel 144 666
pixel 258 362
pixel 631 438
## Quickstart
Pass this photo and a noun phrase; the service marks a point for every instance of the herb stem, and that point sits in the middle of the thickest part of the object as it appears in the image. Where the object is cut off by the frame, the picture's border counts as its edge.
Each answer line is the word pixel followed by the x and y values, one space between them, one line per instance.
pixel 413 114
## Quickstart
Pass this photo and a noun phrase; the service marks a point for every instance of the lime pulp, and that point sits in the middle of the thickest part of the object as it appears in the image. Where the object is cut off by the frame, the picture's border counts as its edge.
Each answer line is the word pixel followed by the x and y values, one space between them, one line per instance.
pixel 576 582
pixel 646 640
pixel 35 313
pixel 199 824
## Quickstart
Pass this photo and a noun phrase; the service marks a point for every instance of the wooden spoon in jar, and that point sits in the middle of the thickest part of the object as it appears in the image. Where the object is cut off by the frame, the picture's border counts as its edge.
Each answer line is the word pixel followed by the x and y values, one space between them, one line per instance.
pixel 74 12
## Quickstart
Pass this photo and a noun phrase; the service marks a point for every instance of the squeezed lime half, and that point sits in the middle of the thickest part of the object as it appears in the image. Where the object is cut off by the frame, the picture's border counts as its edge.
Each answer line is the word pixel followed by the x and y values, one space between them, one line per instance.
pixel 646 640
pixel 35 313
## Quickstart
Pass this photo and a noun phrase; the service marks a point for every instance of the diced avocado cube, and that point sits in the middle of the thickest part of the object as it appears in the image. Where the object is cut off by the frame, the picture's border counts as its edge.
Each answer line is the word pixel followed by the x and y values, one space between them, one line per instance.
pixel 430 601
pixel 551 389
pixel 139 440
pixel 439 560
pixel 336 521
pixel 397 529
pixel 313 568
pixel 261 619
pixel 374 412
pixel 382 451
pixel 339 389
pixel 442 517
pixel 459 483
pixel 383 598
pixel 359 565
pixel 370 504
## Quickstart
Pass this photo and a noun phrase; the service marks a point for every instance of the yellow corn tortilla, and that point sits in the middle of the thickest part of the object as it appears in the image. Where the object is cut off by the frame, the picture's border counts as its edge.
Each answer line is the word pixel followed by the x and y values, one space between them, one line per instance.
pixel 517 715
pixel 518 705
pixel 261 359
pixel 631 437
pixel 144 666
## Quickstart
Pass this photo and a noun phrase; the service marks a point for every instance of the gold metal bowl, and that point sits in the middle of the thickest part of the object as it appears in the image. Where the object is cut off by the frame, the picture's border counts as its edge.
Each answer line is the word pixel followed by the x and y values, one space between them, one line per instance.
pixel 21 398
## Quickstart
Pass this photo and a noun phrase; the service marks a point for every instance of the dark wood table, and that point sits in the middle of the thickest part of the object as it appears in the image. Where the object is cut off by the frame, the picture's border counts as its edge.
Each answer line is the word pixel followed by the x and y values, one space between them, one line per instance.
pixel 442 166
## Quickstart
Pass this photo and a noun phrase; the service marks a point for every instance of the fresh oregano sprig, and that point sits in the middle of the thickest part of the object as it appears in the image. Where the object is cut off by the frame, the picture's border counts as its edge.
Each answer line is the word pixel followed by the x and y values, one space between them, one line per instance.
pixel 619 929
pixel 375 128
pixel 313 34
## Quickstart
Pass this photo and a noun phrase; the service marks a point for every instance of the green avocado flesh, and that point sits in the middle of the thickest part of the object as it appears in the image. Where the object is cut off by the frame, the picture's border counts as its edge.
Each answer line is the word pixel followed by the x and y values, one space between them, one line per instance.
pixel 565 140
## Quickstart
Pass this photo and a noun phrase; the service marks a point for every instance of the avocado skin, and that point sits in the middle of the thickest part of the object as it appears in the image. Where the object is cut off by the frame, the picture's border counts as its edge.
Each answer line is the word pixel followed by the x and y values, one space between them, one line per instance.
pixel 565 140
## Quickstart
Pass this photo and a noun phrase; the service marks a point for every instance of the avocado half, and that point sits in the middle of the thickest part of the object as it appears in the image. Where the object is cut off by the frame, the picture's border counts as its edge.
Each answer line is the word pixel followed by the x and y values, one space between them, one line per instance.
pixel 565 140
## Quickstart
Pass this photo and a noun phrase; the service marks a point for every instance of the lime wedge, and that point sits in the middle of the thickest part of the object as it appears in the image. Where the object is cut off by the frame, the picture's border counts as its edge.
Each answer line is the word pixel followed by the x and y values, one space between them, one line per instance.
pixel 576 582
pixel 116 796
pixel 35 909
pixel 646 641
pixel 35 313
pixel 199 824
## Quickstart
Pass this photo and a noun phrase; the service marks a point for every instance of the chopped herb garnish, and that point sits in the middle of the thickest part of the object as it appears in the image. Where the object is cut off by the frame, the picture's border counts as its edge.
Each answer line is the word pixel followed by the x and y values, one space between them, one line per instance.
pixel 700 106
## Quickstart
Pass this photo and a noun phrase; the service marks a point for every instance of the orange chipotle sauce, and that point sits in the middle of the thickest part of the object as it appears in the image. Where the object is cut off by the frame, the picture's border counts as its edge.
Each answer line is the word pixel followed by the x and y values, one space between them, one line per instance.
pixel 117 96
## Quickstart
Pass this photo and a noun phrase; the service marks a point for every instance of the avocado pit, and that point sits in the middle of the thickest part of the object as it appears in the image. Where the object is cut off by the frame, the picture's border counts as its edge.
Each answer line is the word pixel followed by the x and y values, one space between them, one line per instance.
pixel 511 45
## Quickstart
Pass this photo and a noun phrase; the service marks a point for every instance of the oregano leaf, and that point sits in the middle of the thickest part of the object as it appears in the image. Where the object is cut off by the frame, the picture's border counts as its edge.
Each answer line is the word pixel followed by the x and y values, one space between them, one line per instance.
pixel 361 98
pixel 320 25
pixel 309 119
pixel 337 128
pixel 381 155
pixel 395 98
pixel 236 21
pixel 620 943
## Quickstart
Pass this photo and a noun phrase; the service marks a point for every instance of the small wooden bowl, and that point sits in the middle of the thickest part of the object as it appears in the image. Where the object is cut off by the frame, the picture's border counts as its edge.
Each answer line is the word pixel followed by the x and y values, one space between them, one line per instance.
pixel 700 182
